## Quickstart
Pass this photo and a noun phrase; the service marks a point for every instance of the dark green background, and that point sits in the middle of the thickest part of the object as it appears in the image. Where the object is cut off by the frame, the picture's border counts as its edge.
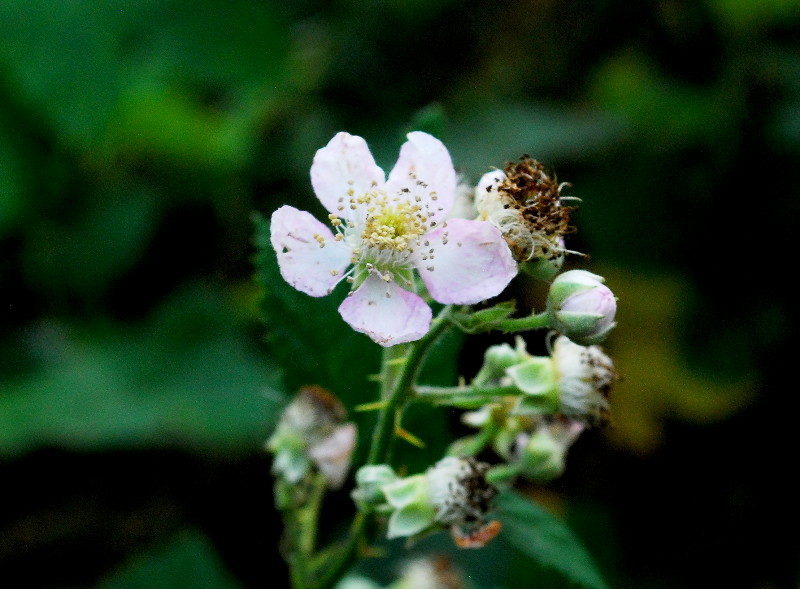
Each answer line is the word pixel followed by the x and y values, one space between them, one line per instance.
pixel 138 378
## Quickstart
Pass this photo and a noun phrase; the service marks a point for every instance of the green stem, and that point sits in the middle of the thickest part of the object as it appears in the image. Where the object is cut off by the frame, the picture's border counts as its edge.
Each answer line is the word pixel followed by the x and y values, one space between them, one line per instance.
pixel 535 321
pixel 400 367
pixel 464 397
pixel 399 375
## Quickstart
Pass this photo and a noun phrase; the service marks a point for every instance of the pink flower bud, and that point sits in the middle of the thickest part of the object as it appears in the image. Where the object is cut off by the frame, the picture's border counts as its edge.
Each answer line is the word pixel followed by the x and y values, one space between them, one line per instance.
pixel 582 307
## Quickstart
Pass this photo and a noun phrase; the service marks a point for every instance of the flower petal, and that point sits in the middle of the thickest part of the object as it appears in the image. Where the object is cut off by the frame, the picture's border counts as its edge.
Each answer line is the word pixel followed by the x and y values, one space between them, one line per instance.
pixel 386 312
pixel 471 262
pixel 305 265
pixel 342 169
pixel 425 159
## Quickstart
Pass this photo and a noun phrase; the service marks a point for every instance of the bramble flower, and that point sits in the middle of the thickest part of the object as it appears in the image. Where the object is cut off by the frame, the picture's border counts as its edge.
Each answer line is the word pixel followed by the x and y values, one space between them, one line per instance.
pixel 310 432
pixel 385 229
pixel 527 206
pixel 581 307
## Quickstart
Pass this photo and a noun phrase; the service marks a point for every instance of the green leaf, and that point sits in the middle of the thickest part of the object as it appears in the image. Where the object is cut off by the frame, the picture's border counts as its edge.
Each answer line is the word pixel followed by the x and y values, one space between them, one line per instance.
pixel 535 532
pixel 186 378
pixel 188 562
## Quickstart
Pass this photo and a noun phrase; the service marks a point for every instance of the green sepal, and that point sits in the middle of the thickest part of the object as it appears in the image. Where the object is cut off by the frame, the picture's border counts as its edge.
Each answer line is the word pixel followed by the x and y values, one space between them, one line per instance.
pixel 535 405
pixel 410 520
pixel 405 491
pixel 543 269
pixel 560 290
pixel 577 323
pixel 370 480
pixel 535 376
pixel 413 510
pixel 484 319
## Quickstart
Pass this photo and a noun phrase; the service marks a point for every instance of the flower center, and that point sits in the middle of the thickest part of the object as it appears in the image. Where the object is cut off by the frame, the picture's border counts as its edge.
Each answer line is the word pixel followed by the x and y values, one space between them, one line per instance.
pixel 392 227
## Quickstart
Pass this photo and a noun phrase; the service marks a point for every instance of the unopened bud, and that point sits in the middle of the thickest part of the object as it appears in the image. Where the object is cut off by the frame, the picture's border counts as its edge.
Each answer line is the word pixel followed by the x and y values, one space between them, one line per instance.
pixel 542 452
pixel 581 307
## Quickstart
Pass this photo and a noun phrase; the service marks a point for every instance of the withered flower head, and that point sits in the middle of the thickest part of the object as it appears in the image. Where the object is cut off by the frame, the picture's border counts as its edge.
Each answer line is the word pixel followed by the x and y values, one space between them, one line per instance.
pixel 526 205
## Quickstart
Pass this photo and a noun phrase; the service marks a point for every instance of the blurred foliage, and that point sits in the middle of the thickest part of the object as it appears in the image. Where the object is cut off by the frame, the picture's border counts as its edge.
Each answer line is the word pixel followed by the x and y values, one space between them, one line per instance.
pixel 137 138
pixel 188 562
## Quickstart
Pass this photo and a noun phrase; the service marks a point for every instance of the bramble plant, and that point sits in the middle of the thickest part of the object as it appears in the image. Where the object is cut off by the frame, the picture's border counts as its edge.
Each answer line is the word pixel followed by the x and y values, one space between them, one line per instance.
pixel 404 251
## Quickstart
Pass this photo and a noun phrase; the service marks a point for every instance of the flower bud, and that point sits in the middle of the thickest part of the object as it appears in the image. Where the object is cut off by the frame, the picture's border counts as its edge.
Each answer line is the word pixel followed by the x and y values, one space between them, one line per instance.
pixel 585 375
pixel 369 482
pixel 541 453
pixel 581 307
pixel 452 493
pixel 546 268
pixel 310 433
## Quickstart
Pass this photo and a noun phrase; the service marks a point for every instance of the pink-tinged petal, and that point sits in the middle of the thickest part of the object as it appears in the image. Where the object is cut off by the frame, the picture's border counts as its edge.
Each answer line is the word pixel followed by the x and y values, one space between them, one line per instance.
pixel 332 454
pixel 386 312
pixel 342 169
pixel 471 262
pixel 425 159
pixel 314 270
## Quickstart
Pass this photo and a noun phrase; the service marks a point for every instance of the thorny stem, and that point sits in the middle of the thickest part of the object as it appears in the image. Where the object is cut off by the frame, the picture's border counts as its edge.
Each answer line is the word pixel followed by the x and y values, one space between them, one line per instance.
pixel 400 368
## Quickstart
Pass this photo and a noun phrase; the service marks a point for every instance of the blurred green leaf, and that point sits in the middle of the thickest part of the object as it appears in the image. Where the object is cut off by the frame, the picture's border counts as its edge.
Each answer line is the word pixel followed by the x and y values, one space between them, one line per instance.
pixel 73 61
pixel 185 378
pixel 100 246
pixel 664 111
pixel 744 16
pixel 188 562
pixel 12 202
pixel 489 135
pixel 535 532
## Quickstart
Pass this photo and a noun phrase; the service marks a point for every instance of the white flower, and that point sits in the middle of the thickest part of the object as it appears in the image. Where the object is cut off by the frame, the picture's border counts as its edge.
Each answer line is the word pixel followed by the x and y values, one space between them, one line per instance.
pixel 386 229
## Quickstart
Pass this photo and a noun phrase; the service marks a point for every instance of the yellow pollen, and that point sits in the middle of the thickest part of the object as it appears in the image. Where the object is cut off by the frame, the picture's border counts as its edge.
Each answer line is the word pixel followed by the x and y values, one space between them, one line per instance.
pixel 392 226
pixel 320 240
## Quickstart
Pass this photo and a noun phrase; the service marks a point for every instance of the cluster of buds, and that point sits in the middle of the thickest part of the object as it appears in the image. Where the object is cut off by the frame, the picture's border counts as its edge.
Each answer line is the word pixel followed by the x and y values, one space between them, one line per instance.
pixel 311 434
pixel 452 494
pixel 573 381
pixel 414 236
pixel 532 446
pixel 544 403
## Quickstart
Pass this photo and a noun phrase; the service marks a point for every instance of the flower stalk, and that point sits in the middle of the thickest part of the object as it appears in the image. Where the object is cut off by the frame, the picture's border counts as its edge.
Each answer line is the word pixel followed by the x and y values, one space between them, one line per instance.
pixel 400 368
